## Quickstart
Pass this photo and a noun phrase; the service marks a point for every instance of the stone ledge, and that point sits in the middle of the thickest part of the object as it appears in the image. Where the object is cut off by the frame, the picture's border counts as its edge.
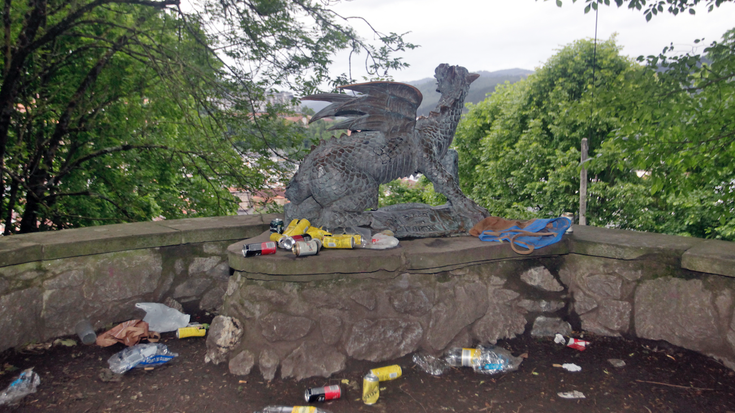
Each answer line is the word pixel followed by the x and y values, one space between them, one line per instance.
pixel 629 245
pixel 425 255
pixel 711 256
pixel 43 246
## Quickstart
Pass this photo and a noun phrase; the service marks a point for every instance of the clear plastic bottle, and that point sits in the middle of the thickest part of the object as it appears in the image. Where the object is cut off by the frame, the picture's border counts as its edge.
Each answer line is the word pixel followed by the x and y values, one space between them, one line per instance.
pixel 292 409
pixel 483 359
pixel 22 386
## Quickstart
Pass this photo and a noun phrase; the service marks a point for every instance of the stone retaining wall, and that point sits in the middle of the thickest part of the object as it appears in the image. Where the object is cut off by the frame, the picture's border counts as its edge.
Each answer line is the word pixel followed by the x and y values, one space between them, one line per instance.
pixel 49 281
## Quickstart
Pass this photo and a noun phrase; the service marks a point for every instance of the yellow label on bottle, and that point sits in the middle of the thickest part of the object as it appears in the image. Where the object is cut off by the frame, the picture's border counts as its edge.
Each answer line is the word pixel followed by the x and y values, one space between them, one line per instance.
pixel 388 372
pixel 470 357
pixel 303 409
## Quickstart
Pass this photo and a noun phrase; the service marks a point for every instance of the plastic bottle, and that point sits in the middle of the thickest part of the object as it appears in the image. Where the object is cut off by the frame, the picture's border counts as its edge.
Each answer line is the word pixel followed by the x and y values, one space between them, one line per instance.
pixel 162 318
pixel 22 386
pixel 292 409
pixel 143 355
pixel 485 360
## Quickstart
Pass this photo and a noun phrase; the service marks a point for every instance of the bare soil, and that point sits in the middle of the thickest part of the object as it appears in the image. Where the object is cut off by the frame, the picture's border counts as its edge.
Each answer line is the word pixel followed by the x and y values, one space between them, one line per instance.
pixel 657 377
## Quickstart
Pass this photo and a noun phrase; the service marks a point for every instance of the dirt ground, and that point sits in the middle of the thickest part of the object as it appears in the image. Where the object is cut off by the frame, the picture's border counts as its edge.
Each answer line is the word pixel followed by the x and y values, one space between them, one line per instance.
pixel 657 377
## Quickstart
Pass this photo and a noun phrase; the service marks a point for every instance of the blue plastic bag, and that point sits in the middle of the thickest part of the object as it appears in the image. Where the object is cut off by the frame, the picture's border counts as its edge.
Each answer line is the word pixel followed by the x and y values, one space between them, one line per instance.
pixel 537 234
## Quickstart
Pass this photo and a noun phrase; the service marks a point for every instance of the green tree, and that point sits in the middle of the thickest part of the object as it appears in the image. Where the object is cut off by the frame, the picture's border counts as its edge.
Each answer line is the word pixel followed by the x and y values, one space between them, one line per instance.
pixel 652 8
pixel 118 111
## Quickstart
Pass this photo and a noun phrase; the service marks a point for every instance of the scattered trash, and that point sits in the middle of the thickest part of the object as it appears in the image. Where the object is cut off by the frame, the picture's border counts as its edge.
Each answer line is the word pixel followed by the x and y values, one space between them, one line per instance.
pixel 85 331
pixel 162 318
pixel 387 372
pixel 370 389
pixel 297 227
pixel 483 359
pixel 66 343
pixel 616 362
pixel 292 409
pixel 129 333
pixel 262 248
pixel 320 394
pixel 140 355
pixel 430 364
pixel 383 240
pixel 192 330
pixel 303 249
pixel 524 237
pixel 574 394
pixel 568 367
pixel 277 226
pixel 22 386
pixel 574 343
pixel 35 348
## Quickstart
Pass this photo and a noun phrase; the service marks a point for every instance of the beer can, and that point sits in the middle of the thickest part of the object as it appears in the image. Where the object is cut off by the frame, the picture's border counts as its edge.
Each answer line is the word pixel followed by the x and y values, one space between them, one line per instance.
pixel 320 394
pixel 370 388
pixel 277 226
pixel 304 248
pixel 262 248
pixel 387 372
pixel 339 242
pixel 191 331
pixel 297 227
pixel 570 217
pixel 317 233
pixel 287 242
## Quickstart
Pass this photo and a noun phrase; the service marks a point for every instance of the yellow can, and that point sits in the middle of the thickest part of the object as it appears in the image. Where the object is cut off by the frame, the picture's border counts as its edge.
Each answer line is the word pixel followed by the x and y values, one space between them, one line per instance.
pixel 192 331
pixel 317 233
pixel 387 372
pixel 339 242
pixel 297 227
pixel 303 409
pixel 370 388
pixel 275 237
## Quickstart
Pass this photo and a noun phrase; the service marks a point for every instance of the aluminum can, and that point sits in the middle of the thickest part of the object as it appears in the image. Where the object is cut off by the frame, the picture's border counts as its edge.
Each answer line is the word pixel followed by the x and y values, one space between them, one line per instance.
pixel 339 242
pixel 287 242
pixel 263 248
pixel 304 248
pixel 370 389
pixel 318 233
pixel 570 217
pixel 387 372
pixel 277 226
pixel 297 227
pixel 320 394
pixel 192 331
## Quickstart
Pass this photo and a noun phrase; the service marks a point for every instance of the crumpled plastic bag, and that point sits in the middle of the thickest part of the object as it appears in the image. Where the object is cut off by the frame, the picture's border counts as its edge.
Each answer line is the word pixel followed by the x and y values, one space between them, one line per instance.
pixel 163 318
pixel 22 386
pixel 129 333
pixel 140 355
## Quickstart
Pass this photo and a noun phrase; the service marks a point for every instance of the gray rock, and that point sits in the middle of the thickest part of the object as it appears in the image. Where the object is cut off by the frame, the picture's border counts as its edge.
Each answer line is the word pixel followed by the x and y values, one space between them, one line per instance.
pixel 541 278
pixel 365 298
pixel 312 359
pixel 242 363
pixel 224 334
pixel 583 303
pixel 201 265
pixel 122 275
pixel 61 311
pixel 501 320
pixel 383 339
pixel 255 292
pixel 678 311
pixel 458 309
pixel 24 306
pixel 268 362
pixel 615 315
pixel 331 328
pixel 540 306
pixel 212 300
pixel 604 285
pixel 550 326
pixel 170 302
pixel 191 289
pixel 278 326
pixel 318 298
pixel 413 301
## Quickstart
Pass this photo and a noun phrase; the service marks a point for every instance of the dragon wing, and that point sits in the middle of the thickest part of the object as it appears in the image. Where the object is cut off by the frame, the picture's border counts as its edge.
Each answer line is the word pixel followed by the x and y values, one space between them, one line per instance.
pixel 388 107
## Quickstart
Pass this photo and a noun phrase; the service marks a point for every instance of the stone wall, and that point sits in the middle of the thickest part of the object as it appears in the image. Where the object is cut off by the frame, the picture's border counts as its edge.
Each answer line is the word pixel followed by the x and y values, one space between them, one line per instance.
pixel 49 281
pixel 307 316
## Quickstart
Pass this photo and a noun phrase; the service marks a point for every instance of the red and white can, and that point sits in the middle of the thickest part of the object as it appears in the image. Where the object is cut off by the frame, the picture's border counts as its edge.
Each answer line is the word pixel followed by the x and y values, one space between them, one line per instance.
pixel 578 344
pixel 321 394
pixel 263 248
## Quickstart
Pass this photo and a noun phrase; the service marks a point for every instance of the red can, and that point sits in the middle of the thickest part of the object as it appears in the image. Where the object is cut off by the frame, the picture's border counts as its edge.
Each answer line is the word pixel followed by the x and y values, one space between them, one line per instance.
pixel 263 248
pixel 320 394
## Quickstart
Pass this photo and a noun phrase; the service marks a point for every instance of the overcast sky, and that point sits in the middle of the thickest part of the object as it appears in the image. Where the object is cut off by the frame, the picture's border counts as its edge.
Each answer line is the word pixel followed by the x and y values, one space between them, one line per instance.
pixel 504 34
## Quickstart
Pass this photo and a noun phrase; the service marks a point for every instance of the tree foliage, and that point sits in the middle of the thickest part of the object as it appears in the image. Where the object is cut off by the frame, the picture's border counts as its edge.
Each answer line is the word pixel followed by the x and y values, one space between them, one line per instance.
pixel 653 8
pixel 118 111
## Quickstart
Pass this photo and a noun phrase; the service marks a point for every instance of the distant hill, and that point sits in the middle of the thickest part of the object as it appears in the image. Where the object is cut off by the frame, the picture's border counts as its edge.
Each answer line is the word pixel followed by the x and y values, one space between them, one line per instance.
pixel 479 90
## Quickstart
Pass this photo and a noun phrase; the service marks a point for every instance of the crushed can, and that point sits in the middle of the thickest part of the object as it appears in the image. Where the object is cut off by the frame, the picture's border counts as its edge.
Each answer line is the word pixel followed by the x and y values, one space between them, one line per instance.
pixel 287 242
pixel 277 226
pixel 387 372
pixel 262 248
pixel 370 389
pixel 321 394
pixel 297 227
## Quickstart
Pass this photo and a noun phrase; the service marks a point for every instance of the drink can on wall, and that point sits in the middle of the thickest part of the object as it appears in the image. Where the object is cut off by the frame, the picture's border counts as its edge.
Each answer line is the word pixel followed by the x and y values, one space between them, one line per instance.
pixel 387 372
pixel 304 248
pixel 287 242
pixel 320 394
pixel 339 242
pixel 262 248
pixel 277 226
pixel 370 389
pixel 297 227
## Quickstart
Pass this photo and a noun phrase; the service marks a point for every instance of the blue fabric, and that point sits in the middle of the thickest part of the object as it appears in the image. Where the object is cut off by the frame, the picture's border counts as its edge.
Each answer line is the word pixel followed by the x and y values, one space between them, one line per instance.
pixel 556 228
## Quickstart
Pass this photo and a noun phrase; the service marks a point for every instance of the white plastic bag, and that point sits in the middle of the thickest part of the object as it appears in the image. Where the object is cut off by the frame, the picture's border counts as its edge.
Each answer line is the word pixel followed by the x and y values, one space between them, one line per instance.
pixel 22 386
pixel 140 355
pixel 162 318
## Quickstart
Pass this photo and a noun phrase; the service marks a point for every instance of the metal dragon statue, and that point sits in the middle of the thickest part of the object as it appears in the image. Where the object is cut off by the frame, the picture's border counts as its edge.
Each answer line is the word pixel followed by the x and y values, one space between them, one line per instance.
pixel 337 183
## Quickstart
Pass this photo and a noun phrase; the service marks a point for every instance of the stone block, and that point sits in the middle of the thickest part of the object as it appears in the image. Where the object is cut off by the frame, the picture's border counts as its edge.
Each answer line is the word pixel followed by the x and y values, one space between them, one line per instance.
pixel 191 289
pixel 365 298
pixel 242 363
pixel 21 314
pixel 331 327
pixel 550 326
pixel 540 306
pixel 541 278
pixel 383 339
pixel 268 362
pixel 312 359
pixel 278 326
pixel 224 334
pixel 501 320
pixel 458 308
pixel 413 301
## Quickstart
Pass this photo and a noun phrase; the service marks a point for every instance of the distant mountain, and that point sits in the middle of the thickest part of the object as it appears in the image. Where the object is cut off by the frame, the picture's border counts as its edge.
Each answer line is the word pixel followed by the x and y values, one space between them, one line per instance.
pixel 479 89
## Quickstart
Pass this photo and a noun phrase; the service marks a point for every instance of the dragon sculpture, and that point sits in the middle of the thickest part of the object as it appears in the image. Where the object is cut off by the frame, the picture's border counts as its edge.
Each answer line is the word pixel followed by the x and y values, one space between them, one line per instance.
pixel 337 183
